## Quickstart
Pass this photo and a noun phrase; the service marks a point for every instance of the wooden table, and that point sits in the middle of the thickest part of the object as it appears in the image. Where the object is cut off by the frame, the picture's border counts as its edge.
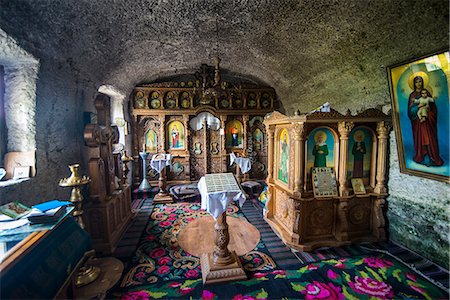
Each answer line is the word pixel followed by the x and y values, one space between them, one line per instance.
pixel 217 191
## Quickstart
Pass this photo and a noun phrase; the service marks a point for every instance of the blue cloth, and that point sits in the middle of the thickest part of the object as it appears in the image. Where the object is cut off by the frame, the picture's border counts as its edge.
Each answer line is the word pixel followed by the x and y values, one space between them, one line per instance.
pixel 51 205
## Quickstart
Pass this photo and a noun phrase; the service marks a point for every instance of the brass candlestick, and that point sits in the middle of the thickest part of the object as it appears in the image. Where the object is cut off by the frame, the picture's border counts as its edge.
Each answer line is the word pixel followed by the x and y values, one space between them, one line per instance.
pixel 125 159
pixel 76 181
pixel 87 272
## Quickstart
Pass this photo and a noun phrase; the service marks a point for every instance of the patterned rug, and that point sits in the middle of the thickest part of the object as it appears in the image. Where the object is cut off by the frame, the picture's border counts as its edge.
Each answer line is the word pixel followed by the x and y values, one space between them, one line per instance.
pixel 160 269
pixel 159 258
pixel 361 277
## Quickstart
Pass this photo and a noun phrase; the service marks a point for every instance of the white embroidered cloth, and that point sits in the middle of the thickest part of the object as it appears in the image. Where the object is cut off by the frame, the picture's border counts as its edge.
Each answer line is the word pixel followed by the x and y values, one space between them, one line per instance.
pixel 217 191
pixel 160 161
pixel 244 163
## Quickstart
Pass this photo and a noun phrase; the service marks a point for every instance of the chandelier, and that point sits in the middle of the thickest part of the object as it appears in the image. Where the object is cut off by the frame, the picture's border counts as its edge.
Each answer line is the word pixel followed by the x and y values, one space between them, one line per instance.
pixel 212 91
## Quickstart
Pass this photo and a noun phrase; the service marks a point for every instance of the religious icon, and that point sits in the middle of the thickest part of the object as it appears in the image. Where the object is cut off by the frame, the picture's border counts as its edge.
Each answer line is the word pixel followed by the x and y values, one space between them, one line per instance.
pixel 283 174
pixel 234 134
pixel 139 100
pixel 358 186
pixel 198 148
pixel 169 100
pixel 214 148
pixel 251 101
pixel 176 132
pixel 420 100
pixel 155 103
pixel 258 139
pixel 320 149
pixel 360 153
pixel 177 168
pixel 185 102
pixel 151 141
pixel 265 101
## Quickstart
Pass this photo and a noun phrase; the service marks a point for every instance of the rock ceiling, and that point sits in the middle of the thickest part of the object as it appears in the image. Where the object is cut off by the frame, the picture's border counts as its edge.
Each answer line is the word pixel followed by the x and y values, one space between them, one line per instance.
pixel 309 51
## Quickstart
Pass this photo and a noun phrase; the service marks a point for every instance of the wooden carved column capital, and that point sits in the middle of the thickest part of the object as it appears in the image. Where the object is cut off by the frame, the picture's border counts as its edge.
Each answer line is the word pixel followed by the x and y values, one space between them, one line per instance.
pixel 383 129
pixel 299 131
pixel 344 129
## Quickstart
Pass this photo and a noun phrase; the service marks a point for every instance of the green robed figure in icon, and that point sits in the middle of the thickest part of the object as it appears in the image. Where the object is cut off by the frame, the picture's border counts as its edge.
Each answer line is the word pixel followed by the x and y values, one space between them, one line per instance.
pixel 320 150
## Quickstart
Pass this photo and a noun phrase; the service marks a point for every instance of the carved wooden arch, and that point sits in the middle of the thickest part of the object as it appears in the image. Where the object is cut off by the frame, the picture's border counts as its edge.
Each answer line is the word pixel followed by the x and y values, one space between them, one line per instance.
pixel 209 109
pixel 150 123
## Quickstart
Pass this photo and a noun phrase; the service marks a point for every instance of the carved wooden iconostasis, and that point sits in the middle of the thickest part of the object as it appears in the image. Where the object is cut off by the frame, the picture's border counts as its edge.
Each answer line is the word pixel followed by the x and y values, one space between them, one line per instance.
pixel 350 148
pixel 200 120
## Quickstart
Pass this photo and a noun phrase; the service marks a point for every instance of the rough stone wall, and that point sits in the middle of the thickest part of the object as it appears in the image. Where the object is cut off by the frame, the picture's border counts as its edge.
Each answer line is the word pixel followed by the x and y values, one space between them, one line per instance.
pixel 59 134
pixel 418 212
pixel 20 94
pixel 20 107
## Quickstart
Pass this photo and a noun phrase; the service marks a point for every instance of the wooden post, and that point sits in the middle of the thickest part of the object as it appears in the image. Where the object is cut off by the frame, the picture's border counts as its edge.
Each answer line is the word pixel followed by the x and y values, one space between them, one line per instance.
pixel 383 129
pixel 299 150
pixel 344 130
pixel 222 265
pixel 162 121
pixel 270 153
pixel 223 150
pixel 245 140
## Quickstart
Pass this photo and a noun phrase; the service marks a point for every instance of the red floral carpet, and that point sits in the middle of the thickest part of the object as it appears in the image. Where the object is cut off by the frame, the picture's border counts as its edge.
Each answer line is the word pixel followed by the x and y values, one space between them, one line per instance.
pixel 160 258
pixel 162 270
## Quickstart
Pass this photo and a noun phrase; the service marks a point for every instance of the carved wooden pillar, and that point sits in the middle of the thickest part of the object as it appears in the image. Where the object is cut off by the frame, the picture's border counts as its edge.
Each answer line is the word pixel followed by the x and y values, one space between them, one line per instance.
pixel 223 151
pixel 378 220
pixel 270 161
pixel 205 144
pixel 299 146
pixel 221 254
pixel 342 221
pixel 135 153
pixel 344 129
pixel 245 140
pixel 186 131
pixel 383 129
pixel 162 121
pixel 373 163
pixel 245 133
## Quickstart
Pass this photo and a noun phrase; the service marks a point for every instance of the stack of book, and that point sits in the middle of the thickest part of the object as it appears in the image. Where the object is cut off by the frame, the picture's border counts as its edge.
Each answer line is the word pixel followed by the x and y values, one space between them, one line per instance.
pixel 47 212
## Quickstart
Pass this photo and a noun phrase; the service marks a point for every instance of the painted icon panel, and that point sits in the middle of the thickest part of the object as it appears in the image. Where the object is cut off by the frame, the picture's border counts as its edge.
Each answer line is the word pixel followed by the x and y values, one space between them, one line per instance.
pixel 359 158
pixel 151 141
pixel 320 149
pixel 234 134
pixel 283 159
pixel 176 135
pixel 420 100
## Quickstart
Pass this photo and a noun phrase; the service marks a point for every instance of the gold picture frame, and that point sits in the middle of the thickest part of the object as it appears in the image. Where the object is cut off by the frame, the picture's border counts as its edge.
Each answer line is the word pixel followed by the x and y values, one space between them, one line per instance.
pixel 324 182
pixel 419 91
pixel 358 186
